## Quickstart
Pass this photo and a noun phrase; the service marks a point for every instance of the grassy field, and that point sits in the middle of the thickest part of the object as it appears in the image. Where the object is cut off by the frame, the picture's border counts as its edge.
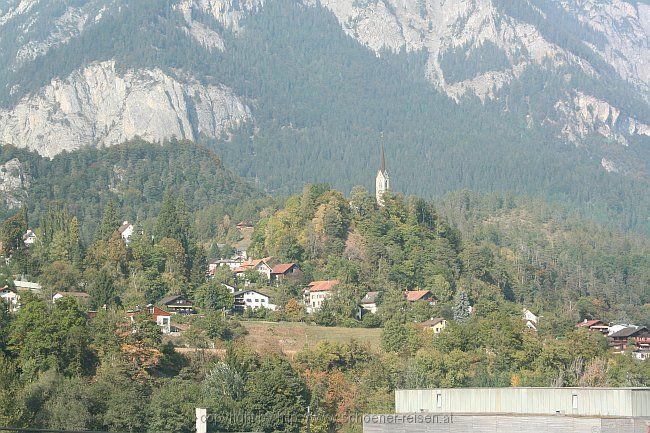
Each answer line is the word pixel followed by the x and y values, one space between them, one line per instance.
pixel 289 338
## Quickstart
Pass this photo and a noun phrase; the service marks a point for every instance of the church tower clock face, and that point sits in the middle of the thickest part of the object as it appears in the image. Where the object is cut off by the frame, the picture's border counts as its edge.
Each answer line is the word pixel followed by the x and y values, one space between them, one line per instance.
pixel 382 182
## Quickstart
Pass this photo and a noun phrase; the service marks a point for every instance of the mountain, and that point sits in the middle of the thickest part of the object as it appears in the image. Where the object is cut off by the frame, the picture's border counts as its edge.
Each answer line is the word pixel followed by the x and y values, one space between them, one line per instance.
pixel 543 97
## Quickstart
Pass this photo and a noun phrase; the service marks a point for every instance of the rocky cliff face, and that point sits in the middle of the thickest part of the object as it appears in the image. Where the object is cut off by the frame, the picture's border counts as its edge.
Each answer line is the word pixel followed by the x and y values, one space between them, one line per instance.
pixel 14 183
pixel 99 106
pixel 93 103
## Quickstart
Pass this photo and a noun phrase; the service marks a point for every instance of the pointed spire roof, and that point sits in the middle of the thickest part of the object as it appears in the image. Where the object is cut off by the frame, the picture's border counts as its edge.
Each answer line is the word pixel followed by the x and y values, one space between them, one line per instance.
pixel 382 162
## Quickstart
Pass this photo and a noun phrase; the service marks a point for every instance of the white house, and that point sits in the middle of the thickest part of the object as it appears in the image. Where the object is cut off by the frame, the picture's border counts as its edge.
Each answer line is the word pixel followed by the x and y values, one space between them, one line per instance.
pixel 369 303
pixel 252 300
pixel 11 298
pixel 530 319
pixel 162 318
pixel 29 238
pixel 126 230
pixel 317 292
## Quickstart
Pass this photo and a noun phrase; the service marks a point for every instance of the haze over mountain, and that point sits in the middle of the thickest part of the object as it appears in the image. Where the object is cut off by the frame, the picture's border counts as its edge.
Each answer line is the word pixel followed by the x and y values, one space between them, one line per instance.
pixel 541 97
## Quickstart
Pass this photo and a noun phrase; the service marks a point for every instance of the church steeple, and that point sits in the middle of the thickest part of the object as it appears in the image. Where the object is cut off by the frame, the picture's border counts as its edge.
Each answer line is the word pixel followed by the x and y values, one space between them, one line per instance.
pixel 382 182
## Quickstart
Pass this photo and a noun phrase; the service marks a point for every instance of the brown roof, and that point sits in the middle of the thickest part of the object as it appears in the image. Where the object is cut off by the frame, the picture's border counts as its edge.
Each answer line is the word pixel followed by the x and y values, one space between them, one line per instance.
pixel 416 295
pixel 370 298
pixel 282 268
pixel 432 322
pixel 322 286
pixel 628 332
pixel 123 227
pixel 590 323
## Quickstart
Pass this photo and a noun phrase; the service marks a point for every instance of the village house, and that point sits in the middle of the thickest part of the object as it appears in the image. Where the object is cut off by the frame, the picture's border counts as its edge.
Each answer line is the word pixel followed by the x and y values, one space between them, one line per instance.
pixel 29 238
pixel 177 304
pixel 126 231
pixel 369 303
pixel 162 318
pixel 285 271
pixel 420 295
pixel 252 300
pixel 260 265
pixel 82 297
pixel 435 325
pixel 11 298
pixel 632 337
pixel 232 264
pixel 317 292
pixel 594 325
pixel 530 319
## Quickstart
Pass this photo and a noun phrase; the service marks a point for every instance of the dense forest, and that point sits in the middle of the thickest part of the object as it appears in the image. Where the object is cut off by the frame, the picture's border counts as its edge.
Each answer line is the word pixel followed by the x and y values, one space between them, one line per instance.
pixel 134 176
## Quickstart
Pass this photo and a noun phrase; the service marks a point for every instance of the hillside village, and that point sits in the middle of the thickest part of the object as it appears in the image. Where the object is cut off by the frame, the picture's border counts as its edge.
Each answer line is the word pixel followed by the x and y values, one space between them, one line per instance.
pixel 318 299
pixel 267 288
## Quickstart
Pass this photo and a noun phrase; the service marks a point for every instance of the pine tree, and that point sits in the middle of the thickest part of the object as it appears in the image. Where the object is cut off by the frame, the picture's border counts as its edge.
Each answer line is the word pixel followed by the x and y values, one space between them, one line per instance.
pixel 110 222
pixel 167 224
pixel 461 307
pixel 74 241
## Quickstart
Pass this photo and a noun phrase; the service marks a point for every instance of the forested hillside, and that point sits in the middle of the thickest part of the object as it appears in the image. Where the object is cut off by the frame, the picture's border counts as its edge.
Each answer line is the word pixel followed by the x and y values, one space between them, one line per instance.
pixel 134 176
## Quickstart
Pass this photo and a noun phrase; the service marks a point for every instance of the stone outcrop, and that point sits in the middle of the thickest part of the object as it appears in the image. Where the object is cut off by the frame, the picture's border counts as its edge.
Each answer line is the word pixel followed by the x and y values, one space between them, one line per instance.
pixel 100 106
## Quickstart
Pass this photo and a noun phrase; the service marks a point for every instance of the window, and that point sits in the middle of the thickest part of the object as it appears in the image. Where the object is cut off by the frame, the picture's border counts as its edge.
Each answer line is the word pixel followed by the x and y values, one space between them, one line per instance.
pixel 574 401
pixel 439 400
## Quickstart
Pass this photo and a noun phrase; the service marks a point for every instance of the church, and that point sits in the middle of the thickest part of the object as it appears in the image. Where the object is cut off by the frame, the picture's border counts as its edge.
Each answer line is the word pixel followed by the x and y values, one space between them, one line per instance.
pixel 382 182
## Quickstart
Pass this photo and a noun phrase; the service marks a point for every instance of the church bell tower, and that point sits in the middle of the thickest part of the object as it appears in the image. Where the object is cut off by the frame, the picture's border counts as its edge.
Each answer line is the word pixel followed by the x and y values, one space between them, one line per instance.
pixel 382 182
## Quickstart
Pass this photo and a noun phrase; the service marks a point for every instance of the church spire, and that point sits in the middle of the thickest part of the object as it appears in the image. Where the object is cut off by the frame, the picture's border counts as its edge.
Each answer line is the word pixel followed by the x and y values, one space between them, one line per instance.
pixel 382 182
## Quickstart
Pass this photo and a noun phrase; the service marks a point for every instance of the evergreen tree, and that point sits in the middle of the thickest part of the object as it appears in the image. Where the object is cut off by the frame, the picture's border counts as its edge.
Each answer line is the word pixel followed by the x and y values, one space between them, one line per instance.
pixel 461 307
pixel 110 221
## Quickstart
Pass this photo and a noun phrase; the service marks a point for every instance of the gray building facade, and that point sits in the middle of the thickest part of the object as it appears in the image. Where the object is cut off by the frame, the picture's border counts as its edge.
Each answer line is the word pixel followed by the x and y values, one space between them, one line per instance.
pixel 516 410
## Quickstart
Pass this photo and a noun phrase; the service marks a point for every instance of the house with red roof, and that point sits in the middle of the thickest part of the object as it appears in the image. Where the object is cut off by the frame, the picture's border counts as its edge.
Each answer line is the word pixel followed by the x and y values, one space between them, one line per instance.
pixel 162 318
pixel 285 271
pixel 594 325
pixel 317 292
pixel 262 266
pixel 420 295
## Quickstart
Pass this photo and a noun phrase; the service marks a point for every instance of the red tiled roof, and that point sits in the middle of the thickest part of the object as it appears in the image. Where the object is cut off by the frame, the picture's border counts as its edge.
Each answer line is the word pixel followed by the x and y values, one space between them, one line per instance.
pixel 282 268
pixel 589 323
pixel 251 264
pixel 416 295
pixel 322 286
pixel 159 312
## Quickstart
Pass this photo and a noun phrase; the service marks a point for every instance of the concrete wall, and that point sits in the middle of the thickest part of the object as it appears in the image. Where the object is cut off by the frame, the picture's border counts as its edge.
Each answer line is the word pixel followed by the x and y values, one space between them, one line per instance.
pixel 616 402
pixel 501 424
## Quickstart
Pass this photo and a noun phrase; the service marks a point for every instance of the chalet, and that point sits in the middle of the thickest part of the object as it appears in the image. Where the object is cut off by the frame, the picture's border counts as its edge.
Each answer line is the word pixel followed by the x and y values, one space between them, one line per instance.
pixel 252 300
pixel 316 292
pixel 82 297
pixel 594 325
pixel 260 265
pixel 632 337
pixel 435 325
pixel 420 295
pixel 177 304
pixel 286 271
pixel 29 238
pixel 11 298
pixel 126 231
pixel 369 303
